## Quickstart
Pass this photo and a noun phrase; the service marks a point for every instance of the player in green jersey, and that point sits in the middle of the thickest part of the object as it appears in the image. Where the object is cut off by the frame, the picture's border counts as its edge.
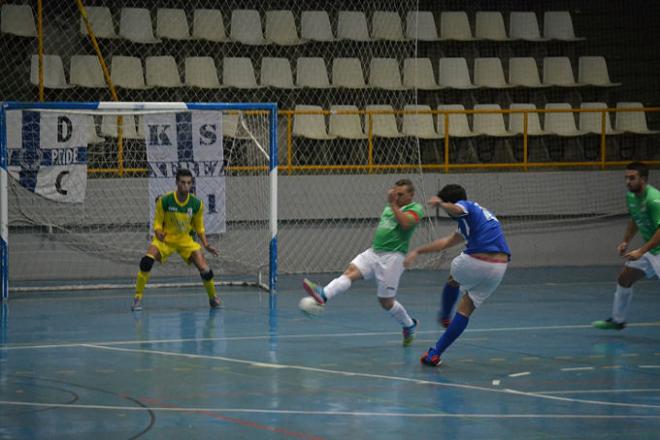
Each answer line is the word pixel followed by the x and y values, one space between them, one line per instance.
pixel 384 259
pixel 643 202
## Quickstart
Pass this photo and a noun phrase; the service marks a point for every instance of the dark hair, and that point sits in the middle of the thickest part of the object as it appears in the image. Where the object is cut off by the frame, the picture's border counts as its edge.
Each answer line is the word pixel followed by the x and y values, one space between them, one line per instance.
pixel 406 182
pixel 182 172
pixel 452 193
pixel 641 168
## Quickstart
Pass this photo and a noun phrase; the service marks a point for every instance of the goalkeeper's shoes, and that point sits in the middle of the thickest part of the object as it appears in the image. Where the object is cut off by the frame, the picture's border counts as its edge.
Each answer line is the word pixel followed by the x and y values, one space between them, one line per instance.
pixel 137 304
pixel 315 291
pixel 609 324
pixel 215 303
pixel 409 333
pixel 431 358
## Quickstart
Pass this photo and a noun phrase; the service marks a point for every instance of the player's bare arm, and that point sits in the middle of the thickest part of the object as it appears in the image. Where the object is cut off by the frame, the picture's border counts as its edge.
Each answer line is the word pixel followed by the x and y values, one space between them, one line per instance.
pixel 212 249
pixel 435 246
pixel 397 197
pixel 652 243
pixel 631 230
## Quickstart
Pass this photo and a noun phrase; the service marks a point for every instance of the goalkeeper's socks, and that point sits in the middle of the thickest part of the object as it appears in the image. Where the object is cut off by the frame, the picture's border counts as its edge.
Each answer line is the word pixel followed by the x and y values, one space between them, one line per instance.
pixel 209 286
pixel 454 330
pixel 449 297
pixel 142 278
pixel 338 285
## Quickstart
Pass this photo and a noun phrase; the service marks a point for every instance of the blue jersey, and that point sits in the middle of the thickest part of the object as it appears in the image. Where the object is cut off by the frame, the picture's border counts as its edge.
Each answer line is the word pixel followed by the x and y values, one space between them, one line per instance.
pixel 480 229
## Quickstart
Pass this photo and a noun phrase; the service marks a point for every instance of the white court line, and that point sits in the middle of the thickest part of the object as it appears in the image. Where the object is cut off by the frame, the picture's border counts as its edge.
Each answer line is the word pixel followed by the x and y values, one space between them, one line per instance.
pixel 649 366
pixel 325 413
pixel 377 376
pixel 303 336
pixel 577 369
pixel 522 373
pixel 628 390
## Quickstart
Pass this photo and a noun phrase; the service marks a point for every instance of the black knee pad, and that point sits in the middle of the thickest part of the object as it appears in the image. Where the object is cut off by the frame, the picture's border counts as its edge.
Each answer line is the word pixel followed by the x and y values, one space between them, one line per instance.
pixel 146 263
pixel 206 276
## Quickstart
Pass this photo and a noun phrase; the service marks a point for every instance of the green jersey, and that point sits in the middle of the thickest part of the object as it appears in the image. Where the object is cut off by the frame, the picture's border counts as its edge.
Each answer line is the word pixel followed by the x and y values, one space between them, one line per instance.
pixel 390 236
pixel 645 211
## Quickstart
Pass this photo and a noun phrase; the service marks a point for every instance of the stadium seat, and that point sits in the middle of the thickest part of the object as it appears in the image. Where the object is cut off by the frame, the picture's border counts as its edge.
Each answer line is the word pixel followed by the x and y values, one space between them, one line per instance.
pixel 129 128
pixel 201 72
pixel 86 71
pixel 382 124
pixel 562 124
pixel 281 28
pixel 524 26
pixel 418 74
pixel 100 19
pixel 632 122
pixel 420 25
pixel 386 25
pixel 490 124
pixel 172 24
pixel 17 20
pixel 54 77
pixel 238 72
pixel 135 25
pixel 161 71
pixel 347 126
pixel 347 72
pixel 454 73
pixel 312 72
pixel 455 26
pixel 593 71
pixel 276 72
pixel 517 121
pixel 490 26
pixel 208 24
pixel 458 122
pixel 310 125
pixel 488 72
pixel 127 72
pixel 557 71
pixel 384 74
pixel 315 26
pixel 246 27
pixel 523 72
pixel 557 25
pixel 352 25
pixel 592 122
pixel 419 125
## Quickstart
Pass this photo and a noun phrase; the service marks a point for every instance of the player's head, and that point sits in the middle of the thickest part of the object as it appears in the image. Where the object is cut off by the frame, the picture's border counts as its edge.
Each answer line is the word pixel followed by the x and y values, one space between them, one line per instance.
pixel 452 193
pixel 405 191
pixel 184 180
pixel 637 174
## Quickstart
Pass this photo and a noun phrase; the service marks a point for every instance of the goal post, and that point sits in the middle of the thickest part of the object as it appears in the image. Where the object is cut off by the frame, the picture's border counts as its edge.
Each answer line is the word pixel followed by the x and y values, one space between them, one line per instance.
pixel 79 181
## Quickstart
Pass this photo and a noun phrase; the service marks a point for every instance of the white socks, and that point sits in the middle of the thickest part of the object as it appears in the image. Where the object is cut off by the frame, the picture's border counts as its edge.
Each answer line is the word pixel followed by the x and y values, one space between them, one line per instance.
pixel 622 298
pixel 337 286
pixel 399 313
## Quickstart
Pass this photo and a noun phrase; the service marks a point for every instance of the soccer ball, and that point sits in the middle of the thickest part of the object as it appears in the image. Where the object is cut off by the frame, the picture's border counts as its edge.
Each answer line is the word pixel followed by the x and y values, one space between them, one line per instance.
pixel 309 306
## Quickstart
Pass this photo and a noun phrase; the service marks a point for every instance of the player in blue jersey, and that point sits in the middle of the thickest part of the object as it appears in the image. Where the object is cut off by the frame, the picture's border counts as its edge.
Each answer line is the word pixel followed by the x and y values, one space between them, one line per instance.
pixel 477 271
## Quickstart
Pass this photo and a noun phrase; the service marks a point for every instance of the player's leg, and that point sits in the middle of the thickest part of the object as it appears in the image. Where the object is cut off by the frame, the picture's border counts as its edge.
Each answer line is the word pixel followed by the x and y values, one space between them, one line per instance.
pixel 632 272
pixel 449 297
pixel 387 271
pixel 205 272
pixel 146 263
pixel 359 268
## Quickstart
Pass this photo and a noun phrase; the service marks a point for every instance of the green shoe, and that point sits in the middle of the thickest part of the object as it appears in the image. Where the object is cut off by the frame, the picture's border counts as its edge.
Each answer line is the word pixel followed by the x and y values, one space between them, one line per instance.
pixel 609 324
pixel 409 333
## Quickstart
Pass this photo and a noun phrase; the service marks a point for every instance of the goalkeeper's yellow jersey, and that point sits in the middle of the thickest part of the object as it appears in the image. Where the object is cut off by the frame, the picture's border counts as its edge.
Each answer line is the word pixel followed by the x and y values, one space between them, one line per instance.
pixel 179 219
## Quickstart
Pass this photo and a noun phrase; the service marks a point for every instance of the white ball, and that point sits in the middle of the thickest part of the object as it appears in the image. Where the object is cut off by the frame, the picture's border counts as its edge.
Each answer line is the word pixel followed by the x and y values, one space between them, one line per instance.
pixel 309 306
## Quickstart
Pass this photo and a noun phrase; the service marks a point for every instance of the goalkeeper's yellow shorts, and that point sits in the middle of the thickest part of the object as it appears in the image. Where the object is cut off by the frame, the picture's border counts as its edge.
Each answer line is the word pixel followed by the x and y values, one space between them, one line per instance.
pixel 184 247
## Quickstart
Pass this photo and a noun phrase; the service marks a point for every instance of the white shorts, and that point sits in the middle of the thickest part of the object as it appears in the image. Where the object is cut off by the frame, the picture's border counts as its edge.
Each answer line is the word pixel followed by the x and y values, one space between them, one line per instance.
pixel 478 277
pixel 648 263
pixel 386 267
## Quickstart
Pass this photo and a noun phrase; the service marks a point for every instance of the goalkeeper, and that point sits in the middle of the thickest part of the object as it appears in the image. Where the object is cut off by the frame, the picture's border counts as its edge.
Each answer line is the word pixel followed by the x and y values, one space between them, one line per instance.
pixel 178 215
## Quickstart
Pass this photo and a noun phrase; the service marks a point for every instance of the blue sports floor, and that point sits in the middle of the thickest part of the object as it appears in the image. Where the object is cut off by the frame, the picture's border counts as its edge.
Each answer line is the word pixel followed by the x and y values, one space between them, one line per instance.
pixel 529 365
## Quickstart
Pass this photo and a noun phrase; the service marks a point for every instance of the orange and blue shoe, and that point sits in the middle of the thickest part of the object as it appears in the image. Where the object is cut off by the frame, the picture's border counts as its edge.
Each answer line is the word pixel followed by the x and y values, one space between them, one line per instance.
pixel 315 291
pixel 431 358
pixel 137 304
pixel 409 333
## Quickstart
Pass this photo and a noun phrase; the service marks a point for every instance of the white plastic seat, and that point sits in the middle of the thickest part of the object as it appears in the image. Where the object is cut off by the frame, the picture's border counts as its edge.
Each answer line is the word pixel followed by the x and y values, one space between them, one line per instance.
pixel 281 28
pixel 383 121
pixel 562 124
pixel 127 72
pixel 238 72
pixel 453 73
pixel 455 25
pixel 352 25
pixel 276 72
pixel 592 122
pixel 386 25
pixel 489 25
pixel 459 125
pixel 86 71
pixel 384 74
pixel 347 126
pixel 17 20
pixel 246 27
pixel 347 72
pixel 172 24
pixel 135 25
pixel 100 19
pixel 161 71
pixel 201 72
pixel 558 25
pixel 54 77
pixel 312 72
pixel 315 26
pixel 109 127
pixel 632 122
pixel 488 72
pixel 517 121
pixel 593 71
pixel 312 125
pixel 490 124
pixel 420 25
pixel 418 74
pixel 557 71
pixel 523 72
pixel 419 125
pixel 524 26
pixel 209 25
